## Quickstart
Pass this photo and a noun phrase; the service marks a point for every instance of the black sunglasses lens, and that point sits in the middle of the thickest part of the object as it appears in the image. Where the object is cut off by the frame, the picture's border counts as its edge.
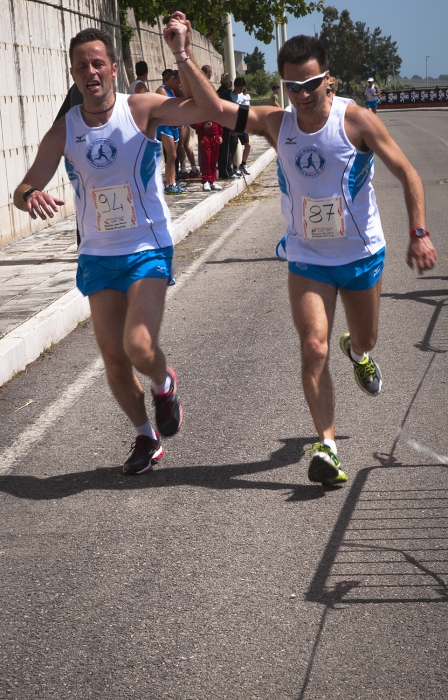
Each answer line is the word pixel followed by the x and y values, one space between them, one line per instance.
pixel 308 85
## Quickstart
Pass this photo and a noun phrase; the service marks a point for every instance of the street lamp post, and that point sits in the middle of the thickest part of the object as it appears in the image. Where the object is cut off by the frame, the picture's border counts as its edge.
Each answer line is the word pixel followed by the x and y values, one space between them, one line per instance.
pixel 427 71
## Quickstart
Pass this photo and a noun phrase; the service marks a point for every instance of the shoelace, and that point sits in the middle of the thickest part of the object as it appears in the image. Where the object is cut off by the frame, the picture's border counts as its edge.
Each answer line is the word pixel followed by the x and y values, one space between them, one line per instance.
pixel 366 370
pixel 319 447
pixel 140 446
pixel 165 403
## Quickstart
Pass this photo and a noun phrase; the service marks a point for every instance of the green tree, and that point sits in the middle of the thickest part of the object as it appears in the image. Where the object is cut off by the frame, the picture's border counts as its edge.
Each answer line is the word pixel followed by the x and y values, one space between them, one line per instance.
pixel 254 61
pixel 258 83
pixel 355 53
pixel 258 16
pixel 344 47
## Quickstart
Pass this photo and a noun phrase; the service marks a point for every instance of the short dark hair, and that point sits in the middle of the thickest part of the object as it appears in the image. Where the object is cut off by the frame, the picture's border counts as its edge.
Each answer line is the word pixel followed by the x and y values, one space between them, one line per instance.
pixel 239 82
pixel 300 49
pixel 92 34
pixel 141 68
pixel 275 87
pixel 167 73
pixel 206 69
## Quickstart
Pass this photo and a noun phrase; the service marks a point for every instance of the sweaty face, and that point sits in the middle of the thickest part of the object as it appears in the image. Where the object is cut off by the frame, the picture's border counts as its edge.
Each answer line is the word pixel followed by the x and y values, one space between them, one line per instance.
pixel 93 71
pixel 306 102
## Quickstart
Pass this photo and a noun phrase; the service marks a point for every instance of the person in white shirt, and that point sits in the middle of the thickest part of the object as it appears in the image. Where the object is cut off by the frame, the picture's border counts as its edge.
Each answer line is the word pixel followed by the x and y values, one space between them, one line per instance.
pixel 334 239
pixel 113 160
pixel 140 85
pixel 371 95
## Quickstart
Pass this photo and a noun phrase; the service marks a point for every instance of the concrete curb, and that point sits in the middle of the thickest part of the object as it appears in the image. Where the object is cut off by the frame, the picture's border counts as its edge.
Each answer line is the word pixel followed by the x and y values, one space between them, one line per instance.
pixel 191 220
pixel 25 343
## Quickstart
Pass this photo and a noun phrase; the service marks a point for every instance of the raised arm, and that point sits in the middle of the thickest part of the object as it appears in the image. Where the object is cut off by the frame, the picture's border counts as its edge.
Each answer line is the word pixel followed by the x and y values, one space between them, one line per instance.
pixel 367 132
pixel 51 149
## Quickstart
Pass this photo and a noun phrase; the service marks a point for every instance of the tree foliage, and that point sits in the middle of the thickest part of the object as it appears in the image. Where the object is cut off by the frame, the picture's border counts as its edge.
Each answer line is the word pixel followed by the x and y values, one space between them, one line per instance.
pixel 258 16
pixel 259 83
pixel 355 53
pixel 254 61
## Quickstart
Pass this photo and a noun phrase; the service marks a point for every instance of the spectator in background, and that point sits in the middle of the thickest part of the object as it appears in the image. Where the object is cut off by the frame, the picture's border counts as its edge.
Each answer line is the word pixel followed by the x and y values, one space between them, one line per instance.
pixel 273 100
pixel 371 95
pixel 139 85
pixel 225 158
pixel 237 95
pixel 169 135
pixel 332 86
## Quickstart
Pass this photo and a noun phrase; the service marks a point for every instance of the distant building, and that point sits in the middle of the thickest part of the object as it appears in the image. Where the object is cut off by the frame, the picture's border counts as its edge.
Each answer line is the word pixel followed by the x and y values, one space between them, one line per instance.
pixel 240 66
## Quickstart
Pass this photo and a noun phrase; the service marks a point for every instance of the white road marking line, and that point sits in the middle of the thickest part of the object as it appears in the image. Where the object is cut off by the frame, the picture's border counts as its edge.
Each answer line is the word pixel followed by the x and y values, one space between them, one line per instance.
pixel 193 268
pixel 35 432
pixel 445 143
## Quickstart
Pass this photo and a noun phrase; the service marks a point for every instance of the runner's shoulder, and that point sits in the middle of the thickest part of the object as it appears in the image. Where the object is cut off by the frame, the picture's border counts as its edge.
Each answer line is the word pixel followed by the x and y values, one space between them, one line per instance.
pixel 361 118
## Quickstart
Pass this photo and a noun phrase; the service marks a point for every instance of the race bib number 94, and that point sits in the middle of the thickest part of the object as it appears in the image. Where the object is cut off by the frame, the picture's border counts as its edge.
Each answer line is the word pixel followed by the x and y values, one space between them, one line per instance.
pixel 323 218
pixel 114 207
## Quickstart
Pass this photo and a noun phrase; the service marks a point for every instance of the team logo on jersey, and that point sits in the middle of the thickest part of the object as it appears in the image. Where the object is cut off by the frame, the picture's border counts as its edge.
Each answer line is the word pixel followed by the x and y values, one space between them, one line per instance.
pixel 80 139
pixel 310 162
pixel 290 141
pixel 101 153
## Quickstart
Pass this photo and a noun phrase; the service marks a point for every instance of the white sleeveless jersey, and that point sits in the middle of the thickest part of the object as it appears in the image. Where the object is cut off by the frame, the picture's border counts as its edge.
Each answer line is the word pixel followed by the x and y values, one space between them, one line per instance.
pixel 133 85
pixel 327 196
pixel 116 173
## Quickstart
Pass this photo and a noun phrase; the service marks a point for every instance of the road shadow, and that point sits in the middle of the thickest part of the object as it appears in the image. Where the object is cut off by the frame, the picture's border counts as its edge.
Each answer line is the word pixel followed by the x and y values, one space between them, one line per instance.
pixel 222 477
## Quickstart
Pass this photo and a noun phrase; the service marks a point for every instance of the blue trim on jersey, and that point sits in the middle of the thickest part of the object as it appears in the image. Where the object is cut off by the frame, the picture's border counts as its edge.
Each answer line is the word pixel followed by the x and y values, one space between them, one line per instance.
pixel 281 179
pixel 355 276
pixel 149 162
pixel 73 177
pixel 359 172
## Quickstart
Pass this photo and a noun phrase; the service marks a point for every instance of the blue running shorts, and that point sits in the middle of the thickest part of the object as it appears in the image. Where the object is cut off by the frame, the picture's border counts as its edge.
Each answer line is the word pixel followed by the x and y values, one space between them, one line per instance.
pixel 372 104
pixel 356 276
pixel 172 131
pixel 96 272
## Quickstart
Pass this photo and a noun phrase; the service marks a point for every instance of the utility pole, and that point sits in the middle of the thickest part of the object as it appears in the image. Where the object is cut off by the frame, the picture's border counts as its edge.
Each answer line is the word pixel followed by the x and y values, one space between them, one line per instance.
pixel 279 44
pixel 229 55
pixel 427 70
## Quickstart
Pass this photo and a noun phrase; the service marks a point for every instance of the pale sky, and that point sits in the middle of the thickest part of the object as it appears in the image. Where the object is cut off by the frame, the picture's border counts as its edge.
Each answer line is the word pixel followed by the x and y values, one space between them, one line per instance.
pixel 419 28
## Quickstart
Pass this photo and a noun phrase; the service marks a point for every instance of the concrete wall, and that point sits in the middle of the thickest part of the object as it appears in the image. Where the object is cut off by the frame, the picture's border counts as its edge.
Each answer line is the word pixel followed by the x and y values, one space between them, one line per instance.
pixel 34 37
pixel 34 40
pixel 147 44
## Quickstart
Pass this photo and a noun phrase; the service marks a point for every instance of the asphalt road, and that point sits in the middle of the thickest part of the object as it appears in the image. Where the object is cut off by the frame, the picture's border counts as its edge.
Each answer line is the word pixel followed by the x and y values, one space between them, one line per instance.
pixel 225 574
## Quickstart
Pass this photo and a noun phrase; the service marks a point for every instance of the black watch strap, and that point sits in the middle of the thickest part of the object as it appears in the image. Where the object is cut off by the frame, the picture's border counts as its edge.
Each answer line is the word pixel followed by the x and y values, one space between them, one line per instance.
pixel 28 193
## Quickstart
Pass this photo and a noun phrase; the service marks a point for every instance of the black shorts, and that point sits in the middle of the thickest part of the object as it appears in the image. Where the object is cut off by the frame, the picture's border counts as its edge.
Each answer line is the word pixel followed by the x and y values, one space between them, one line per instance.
pixel 243 138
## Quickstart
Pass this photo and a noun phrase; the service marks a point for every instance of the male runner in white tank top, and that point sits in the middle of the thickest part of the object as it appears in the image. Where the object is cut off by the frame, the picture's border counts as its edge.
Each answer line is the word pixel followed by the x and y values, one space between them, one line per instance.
pixel 334 239
pixel 114 163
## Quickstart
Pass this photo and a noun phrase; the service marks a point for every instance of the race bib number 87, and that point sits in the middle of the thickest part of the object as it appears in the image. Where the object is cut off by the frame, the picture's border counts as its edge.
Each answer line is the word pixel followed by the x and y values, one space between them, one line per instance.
pixel 114 207
pixel 323 218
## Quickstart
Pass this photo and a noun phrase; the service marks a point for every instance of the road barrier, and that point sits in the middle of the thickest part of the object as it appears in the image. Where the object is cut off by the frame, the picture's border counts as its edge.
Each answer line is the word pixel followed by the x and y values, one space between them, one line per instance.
pixel 412 97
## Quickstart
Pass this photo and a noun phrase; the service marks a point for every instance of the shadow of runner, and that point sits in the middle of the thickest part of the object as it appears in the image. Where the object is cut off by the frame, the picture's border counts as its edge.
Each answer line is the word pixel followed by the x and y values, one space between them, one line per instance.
pixel 226 476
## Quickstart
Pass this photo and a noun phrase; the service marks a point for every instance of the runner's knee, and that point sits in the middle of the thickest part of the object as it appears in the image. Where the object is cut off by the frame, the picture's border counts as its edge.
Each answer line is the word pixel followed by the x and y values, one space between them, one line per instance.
pixel 314 351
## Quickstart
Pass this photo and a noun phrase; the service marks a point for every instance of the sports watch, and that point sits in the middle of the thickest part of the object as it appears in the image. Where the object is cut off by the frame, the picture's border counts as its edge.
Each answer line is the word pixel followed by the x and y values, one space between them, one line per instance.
pixel 419 233
pixel 27 194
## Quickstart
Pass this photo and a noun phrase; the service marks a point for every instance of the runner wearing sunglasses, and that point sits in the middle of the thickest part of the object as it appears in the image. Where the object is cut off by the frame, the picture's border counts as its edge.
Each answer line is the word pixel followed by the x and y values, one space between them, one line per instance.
pixel 334 241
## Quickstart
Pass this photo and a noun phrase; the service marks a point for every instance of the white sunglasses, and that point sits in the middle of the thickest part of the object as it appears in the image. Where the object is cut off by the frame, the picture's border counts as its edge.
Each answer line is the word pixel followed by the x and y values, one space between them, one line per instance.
pixel 308 85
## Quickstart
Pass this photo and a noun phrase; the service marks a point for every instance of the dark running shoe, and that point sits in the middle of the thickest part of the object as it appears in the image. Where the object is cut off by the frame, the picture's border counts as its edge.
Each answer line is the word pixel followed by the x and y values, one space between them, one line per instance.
pixel 145 453
pixel 169 411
